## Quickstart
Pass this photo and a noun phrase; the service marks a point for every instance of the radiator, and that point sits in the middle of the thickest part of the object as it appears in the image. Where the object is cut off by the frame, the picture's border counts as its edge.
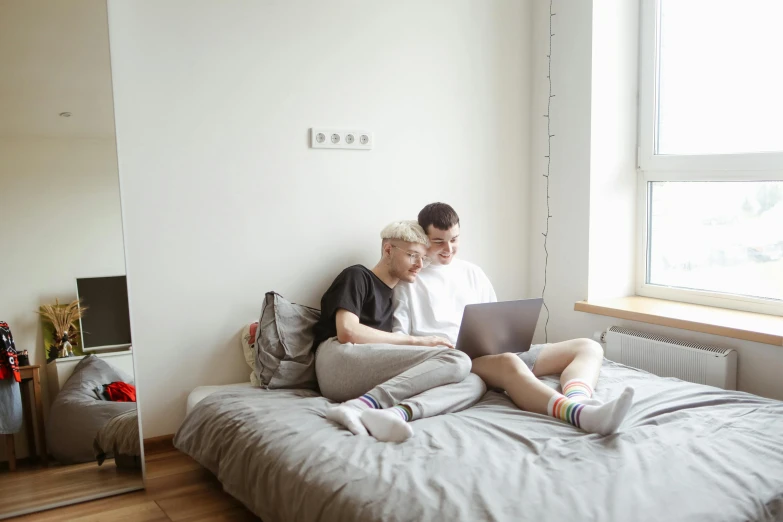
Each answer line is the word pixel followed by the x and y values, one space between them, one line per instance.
pixel 669 357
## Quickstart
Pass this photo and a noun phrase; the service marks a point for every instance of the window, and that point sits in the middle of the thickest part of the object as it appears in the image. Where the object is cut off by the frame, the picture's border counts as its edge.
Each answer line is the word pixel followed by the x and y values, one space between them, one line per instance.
pixel 720 87
pixel 720 236
pixel 711 153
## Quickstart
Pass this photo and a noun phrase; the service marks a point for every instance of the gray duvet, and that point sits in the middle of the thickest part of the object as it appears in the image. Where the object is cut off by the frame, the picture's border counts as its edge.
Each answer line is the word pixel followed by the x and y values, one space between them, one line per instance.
pixel 685 453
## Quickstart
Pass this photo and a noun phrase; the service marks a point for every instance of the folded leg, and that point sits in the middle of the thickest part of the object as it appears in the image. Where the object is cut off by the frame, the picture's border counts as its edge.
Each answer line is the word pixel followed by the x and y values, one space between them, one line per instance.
pixel 447 399
pixel 391 424
pixel 388 373
pixel 381 376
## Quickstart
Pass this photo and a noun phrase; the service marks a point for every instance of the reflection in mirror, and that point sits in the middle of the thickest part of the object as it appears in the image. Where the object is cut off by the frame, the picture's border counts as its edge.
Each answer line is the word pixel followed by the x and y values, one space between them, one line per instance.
pixel 68 419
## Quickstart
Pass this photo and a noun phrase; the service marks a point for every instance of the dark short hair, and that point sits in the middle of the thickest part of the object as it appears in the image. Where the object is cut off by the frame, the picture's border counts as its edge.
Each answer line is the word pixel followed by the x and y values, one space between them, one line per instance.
pixel 440 215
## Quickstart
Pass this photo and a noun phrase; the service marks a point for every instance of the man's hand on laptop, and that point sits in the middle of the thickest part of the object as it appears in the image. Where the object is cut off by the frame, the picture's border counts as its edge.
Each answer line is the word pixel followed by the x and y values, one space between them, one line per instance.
pixel 432 340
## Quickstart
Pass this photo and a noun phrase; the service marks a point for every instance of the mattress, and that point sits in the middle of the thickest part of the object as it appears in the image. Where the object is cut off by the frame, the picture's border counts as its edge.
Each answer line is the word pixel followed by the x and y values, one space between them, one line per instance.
pixel 686 452
pixel 202 392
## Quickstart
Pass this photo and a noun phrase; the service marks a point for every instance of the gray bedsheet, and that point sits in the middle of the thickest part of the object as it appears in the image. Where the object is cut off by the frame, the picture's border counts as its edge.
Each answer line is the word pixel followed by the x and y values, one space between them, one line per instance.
pixel 685 453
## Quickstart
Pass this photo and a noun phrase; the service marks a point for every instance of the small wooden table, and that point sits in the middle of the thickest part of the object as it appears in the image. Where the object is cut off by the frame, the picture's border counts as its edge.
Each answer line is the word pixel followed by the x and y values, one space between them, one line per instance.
pixel 30 374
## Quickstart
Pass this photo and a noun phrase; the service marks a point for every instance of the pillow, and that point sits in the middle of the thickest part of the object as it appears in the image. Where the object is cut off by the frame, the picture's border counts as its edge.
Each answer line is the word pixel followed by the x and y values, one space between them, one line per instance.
pixel 284 342
pixel 248 340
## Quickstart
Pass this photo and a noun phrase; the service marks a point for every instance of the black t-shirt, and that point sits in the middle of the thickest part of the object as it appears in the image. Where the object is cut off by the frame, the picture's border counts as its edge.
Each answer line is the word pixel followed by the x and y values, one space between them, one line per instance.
pixel 358 290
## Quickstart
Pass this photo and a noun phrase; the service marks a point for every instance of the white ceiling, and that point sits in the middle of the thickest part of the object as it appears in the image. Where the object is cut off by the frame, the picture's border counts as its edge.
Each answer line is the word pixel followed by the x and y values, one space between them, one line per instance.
pixel 54 57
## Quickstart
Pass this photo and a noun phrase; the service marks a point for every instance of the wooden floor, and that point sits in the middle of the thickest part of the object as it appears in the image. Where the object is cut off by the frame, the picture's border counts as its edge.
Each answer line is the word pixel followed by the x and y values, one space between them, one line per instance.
pixel 177 489
pixel 31 486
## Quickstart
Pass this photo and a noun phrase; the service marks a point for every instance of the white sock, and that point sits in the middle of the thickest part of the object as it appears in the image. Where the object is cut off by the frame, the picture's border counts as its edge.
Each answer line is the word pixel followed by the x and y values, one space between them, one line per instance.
pixel 386 425
pixel 604 419
pixel 590 401
pixel 348 414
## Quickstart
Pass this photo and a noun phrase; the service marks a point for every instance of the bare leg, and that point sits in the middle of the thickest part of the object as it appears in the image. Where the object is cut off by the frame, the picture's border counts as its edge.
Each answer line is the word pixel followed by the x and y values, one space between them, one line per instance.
pixel 508 372
pixel 574 359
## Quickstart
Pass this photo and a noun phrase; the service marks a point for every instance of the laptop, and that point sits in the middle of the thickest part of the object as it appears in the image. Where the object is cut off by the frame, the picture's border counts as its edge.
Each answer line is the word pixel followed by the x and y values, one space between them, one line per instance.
pixel 493 328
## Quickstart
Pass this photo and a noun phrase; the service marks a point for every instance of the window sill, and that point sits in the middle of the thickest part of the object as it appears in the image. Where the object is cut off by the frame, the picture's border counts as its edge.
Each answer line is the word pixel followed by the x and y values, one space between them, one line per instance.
pixel 748 326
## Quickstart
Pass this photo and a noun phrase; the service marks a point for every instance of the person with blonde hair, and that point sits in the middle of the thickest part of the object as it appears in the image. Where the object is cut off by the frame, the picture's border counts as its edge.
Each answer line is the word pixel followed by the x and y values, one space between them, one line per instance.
pixel 382 378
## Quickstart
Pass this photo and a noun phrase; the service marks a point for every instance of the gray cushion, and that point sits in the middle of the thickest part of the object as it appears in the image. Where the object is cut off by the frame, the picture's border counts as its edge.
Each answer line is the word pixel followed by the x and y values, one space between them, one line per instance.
pixel 284 341
pixel 77 415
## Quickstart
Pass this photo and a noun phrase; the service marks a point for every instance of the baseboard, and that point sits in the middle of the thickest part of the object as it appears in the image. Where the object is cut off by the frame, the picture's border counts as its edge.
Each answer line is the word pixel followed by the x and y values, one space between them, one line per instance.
pixel 159 444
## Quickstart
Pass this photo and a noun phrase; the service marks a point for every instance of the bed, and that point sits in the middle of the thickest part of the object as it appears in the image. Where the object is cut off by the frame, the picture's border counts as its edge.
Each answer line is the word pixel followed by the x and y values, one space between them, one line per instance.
pixel 202 392
pixel 119 437
pixel 686 452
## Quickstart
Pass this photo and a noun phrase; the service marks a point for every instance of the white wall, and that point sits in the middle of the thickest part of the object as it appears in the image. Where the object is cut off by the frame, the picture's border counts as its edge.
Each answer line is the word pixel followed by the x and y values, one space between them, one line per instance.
pixel 222 198
pixel 61 220
pixel 579 26
pixel 56 60
pixel 613 125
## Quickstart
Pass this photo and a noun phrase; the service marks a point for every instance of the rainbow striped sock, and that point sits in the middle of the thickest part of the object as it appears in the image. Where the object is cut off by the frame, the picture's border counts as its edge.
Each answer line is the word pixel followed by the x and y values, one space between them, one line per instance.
pixel 563 408
pixel 603 419
pixel 403 411
pixel 576 389
pixel 365 402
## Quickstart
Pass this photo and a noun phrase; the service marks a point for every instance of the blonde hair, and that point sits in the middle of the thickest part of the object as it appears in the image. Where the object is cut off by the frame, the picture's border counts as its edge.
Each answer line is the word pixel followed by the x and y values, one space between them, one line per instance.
pixel 407 230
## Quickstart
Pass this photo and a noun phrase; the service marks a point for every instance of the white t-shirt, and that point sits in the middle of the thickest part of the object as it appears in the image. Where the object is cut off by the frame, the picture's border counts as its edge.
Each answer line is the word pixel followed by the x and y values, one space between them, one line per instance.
pixel 435 302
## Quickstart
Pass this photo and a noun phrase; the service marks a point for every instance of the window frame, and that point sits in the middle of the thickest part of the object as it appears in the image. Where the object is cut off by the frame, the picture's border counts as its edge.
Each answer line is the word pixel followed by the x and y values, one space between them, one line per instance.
pixel 765 166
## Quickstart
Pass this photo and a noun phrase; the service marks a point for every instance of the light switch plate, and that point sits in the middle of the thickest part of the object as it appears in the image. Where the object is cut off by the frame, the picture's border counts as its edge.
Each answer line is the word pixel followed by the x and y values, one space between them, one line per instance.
pixel 326 138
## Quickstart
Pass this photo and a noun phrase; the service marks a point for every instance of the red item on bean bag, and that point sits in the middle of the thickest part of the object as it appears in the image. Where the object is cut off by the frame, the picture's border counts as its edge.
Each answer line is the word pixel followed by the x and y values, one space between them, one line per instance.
pixel 121 392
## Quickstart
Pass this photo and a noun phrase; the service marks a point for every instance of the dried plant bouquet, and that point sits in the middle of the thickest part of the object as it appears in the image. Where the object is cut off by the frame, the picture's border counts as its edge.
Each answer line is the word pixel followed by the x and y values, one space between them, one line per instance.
pixel 63 319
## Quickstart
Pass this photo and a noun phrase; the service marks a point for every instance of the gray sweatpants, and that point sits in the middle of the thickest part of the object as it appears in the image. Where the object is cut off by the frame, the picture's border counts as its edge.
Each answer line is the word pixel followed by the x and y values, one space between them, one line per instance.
pixel 432 381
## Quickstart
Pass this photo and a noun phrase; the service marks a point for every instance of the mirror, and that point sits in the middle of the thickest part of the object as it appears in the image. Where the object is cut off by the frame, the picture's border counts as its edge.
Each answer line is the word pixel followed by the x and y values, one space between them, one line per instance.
pixel 68 428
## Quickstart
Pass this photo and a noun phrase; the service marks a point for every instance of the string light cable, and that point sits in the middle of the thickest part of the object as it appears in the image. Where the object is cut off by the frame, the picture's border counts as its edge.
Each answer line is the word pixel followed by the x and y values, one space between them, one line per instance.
pixel 548 166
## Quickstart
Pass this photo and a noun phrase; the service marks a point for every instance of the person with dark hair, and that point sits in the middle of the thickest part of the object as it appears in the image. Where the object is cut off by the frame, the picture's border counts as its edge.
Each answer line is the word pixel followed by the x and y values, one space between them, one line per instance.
pixel 383 379
pixel 435 304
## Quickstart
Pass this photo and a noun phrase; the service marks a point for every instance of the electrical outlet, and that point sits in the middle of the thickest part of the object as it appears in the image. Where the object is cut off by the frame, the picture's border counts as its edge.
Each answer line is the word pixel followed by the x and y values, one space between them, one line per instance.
pixel 322 138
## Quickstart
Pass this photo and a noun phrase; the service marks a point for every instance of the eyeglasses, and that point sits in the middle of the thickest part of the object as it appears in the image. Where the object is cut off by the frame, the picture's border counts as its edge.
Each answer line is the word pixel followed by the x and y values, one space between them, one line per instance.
pixel 415 258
